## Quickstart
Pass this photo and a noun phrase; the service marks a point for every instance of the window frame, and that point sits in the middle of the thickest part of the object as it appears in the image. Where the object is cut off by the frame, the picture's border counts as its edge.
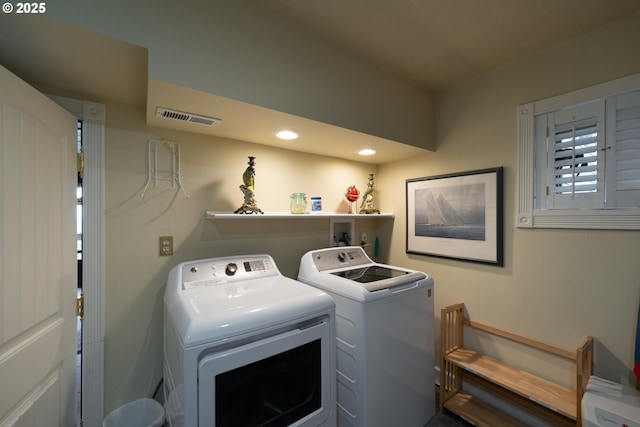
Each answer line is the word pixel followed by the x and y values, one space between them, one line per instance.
pixel 527 215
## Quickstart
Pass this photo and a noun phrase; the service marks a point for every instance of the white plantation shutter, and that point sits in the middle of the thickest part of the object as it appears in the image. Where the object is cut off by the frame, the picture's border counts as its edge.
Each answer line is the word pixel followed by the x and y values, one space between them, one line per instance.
pixel 575 172
pixel 623 161
pixel 579 158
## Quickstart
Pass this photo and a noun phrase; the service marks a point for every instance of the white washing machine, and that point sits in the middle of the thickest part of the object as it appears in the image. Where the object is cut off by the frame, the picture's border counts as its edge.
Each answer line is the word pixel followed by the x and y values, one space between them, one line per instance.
pixel 384 335
pixel 246 346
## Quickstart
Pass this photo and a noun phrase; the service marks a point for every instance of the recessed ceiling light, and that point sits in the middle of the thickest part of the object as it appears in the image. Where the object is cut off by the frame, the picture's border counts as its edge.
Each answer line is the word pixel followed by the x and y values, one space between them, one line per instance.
pixel 287 134
pixel 367 152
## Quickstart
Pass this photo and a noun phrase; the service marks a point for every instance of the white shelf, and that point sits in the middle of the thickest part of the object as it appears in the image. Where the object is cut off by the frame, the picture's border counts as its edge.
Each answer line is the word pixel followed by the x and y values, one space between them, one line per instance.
pixel 287 215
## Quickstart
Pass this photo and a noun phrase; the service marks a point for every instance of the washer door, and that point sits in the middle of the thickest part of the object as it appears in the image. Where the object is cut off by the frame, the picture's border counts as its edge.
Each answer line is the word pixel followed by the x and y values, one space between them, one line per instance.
pixel 284 379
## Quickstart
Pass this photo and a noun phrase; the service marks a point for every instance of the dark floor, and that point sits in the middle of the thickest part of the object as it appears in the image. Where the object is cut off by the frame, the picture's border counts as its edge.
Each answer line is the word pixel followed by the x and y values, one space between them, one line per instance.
pixel 447 419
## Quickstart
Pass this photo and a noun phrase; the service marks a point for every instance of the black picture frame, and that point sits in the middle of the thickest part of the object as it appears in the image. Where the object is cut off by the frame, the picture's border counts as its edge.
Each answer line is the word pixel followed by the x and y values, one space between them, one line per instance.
pixel 457 216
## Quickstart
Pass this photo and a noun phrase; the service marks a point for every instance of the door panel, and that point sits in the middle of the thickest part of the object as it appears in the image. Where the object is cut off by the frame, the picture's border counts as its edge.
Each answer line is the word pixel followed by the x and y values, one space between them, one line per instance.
pixel 37 257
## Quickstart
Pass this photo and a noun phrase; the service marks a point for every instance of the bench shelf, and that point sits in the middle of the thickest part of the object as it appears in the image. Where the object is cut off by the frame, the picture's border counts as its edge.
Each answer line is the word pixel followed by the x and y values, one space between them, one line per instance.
pixel 479 413
pixel 545 399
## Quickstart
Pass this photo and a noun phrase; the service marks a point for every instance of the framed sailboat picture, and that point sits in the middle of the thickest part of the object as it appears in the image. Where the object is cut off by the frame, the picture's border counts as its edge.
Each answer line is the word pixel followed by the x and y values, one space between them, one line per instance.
pixel 457 216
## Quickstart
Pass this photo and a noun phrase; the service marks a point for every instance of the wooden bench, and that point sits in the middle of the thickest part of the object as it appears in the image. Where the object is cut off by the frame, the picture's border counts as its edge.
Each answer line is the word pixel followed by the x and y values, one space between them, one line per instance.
pixel 545 399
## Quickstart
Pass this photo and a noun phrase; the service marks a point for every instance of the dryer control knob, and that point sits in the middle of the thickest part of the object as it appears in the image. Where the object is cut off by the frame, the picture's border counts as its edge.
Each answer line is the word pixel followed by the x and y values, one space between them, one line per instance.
pixel 231 269
pixel 342 256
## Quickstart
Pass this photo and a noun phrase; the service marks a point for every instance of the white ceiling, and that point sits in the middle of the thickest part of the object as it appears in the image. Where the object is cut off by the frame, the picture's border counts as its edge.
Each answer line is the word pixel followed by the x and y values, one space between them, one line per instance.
pixel 441 43
pixel 434 44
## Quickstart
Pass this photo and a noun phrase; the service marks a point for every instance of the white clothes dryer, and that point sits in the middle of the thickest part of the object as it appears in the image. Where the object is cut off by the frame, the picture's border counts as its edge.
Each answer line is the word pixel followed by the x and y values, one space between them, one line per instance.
pixel 384 337
pixel 246 346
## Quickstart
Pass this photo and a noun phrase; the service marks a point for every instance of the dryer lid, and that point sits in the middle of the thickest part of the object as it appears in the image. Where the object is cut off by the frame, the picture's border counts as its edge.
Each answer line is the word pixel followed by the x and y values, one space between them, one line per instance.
pixel 224 311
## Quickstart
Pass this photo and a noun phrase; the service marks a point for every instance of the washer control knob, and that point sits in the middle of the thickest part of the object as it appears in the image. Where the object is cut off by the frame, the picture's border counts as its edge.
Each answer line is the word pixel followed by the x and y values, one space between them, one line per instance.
pixel 231 269
pixel 342 256
pixel 194 269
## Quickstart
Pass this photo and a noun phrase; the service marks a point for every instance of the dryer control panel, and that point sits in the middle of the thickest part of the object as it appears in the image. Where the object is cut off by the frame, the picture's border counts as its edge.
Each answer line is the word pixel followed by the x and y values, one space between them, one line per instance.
pixel 224 270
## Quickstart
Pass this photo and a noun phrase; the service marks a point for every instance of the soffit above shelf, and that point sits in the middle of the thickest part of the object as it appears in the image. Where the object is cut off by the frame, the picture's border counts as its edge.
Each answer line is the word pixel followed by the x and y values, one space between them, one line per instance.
pixel 251 123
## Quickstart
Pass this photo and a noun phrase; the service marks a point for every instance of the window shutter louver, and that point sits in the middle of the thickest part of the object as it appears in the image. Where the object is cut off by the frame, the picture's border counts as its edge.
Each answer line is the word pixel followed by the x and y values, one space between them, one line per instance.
pixel 575 176
pixel 627 149
pixel 576 157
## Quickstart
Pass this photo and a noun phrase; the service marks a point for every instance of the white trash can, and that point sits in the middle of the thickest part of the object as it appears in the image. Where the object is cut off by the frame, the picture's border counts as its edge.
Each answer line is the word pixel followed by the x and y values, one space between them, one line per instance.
pixel 143 412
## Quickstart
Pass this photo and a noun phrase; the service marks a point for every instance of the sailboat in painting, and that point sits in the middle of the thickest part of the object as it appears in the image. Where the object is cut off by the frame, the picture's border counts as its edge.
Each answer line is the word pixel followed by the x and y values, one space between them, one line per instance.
pixel 440 212
pixel 440 217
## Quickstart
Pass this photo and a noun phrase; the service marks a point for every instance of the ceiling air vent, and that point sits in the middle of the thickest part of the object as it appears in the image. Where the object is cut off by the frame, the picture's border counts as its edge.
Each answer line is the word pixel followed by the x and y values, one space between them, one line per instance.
pixel 186 117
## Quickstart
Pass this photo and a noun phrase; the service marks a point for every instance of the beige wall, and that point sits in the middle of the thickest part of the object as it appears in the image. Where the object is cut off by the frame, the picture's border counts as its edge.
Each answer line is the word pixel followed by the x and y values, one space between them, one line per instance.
pixel 556 285
pixel 211 173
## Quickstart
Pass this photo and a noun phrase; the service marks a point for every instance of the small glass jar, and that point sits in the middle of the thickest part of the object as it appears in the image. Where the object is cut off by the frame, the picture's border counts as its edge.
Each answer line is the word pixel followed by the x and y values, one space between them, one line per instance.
pixel 298 203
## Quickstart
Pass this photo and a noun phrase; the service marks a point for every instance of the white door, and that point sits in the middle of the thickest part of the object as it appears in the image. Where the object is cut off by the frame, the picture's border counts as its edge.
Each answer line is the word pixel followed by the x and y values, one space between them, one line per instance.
pixel 37 258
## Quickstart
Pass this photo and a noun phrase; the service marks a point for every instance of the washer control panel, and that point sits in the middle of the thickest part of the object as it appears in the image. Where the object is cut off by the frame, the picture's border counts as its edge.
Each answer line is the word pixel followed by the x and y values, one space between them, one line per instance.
pixel 340 257
pixel 224 270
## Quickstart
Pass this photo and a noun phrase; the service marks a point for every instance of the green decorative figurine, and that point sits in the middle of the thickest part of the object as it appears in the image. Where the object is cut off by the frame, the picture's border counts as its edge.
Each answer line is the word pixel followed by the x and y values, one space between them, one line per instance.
pixel 250 205
pixel 367 199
